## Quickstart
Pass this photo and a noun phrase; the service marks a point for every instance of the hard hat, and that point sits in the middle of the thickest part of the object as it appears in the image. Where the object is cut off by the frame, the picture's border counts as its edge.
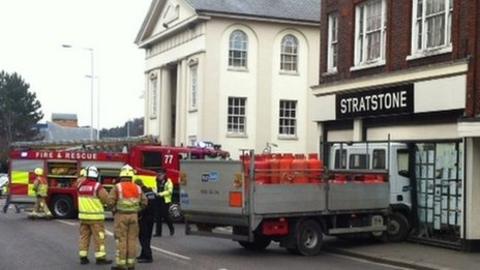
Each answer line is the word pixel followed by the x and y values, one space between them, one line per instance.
pixel 83 172
pixel 126 173
pixel 127 167
pixel 92 172
pixel 38 171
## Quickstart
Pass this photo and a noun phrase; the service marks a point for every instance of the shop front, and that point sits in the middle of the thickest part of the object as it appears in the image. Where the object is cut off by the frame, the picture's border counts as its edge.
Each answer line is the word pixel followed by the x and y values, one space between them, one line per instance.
pixel 424 111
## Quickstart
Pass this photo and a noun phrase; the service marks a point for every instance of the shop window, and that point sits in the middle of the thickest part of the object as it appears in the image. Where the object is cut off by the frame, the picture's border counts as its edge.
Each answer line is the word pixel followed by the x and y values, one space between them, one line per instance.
pixel 379 159
pixel 358 161
pixel 370 29
pixel 152 161
pixel 431 26
pixel 340 159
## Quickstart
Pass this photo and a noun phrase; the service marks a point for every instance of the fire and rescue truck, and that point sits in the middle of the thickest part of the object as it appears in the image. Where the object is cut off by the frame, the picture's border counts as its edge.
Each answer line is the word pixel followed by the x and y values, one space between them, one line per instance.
pixel 62 162
pixel 290 200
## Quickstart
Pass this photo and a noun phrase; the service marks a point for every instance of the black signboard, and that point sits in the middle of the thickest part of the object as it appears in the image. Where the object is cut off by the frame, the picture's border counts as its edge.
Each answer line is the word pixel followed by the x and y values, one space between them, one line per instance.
pixel 383 101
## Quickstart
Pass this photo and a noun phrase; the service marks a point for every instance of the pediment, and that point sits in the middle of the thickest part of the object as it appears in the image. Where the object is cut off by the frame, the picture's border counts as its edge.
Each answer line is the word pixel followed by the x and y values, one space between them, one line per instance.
pixel 164 14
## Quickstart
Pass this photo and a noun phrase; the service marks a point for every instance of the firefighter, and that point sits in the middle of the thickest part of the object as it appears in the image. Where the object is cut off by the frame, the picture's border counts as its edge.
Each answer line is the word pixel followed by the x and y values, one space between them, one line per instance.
pixel 40 186
pixel 91 198
pixel 127 199
pixel 164 201
pixel 146 218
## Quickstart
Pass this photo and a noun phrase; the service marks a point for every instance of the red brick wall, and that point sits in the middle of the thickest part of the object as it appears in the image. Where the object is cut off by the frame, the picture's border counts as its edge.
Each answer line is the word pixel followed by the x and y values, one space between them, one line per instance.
pixel 465 41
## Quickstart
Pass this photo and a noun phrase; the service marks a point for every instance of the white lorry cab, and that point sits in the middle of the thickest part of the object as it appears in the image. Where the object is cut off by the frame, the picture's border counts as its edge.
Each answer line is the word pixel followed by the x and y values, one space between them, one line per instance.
pixel 350 159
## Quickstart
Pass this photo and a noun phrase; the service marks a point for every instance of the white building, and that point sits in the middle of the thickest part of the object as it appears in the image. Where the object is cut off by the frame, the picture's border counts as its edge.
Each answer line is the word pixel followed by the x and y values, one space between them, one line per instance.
pixel 236 72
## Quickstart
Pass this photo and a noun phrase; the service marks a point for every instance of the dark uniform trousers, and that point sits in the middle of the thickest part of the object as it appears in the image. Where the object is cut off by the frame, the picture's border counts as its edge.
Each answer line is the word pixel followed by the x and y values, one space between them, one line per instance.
pixel 163 215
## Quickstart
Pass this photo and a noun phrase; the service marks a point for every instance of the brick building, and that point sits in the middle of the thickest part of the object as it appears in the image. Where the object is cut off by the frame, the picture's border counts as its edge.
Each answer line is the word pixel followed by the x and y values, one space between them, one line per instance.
pixel 408 71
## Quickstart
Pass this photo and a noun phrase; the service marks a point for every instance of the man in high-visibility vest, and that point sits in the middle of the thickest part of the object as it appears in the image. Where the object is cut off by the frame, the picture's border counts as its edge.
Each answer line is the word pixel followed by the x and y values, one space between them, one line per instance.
pixel 127 199
pixel 165 192
pixel 91 198
pixel 40 186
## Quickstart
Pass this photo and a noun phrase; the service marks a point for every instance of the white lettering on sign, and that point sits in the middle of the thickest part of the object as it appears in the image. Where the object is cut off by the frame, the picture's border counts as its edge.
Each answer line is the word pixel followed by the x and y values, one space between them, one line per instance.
pixel 66 155
pixel 387 101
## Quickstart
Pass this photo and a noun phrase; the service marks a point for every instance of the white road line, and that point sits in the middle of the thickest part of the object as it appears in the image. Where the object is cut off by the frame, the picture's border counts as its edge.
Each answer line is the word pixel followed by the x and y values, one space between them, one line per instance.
pixel 66 222
pixel 109 233
pixel 173 254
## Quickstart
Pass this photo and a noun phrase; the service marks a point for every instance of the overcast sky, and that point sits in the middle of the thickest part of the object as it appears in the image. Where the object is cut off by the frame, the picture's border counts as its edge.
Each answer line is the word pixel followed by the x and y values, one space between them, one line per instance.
pixel 32 32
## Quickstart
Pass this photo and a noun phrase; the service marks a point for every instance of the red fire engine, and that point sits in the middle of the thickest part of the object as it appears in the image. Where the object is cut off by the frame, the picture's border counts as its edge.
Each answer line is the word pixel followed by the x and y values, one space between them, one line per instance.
pixel 62 162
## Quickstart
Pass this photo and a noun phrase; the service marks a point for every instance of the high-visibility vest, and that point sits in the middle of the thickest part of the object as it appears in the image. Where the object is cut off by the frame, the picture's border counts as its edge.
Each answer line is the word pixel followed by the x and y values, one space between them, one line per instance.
pixel 42 188
pixel 166 190
pixel 129 196
pixel 89 205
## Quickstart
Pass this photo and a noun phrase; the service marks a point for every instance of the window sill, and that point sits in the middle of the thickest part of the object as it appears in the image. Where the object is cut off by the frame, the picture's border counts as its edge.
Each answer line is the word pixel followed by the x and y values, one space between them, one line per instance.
pixel 428 53
pixel 330 72
pixel 287 138
pixel 193 110
pixel 237 69
pixel 289 73
pixel 367 66
pixel 236 136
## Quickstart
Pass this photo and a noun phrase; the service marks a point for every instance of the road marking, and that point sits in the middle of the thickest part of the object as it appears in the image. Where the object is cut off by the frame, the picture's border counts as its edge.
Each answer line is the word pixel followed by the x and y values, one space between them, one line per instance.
pixel 166 252
pixel 67 222
pixel 367 261
pixel 173 254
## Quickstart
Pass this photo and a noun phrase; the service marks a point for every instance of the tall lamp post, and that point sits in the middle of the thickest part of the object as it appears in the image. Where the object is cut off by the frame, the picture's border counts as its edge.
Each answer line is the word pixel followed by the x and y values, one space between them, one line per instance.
pixel 92 83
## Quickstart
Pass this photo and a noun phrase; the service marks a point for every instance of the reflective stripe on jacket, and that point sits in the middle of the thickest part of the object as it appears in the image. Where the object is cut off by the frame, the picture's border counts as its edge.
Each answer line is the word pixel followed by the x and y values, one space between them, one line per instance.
pixel 129 197
pixel 166 191
pixel 41 186
pixel 89 205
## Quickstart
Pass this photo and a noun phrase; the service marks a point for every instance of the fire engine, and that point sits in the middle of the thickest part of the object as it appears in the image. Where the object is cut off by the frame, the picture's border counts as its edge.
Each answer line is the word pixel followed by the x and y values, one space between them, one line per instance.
pixel 62 162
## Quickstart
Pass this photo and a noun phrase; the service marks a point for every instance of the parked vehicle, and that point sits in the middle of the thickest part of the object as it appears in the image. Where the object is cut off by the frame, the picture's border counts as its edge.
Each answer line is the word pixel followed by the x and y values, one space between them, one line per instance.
pixel 350 159
pixel 283 198
pixel 62 163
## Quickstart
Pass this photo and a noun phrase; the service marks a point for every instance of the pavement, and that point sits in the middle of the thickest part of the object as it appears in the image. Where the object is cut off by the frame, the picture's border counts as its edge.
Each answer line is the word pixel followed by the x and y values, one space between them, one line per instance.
pixel 405 254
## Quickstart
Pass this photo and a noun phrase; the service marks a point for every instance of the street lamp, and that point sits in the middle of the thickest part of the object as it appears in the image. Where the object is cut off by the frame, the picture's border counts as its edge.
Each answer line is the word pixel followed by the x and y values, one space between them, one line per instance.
pixel 92 79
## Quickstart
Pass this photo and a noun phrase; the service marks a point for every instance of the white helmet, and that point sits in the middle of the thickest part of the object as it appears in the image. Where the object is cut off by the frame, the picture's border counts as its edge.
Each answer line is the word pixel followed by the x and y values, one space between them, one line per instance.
pixel 92 172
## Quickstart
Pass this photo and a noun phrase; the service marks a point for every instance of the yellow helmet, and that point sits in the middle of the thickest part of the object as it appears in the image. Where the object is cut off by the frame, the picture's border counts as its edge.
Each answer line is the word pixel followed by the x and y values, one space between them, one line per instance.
pixel 38 171
pixel 83 172
pixel 126 174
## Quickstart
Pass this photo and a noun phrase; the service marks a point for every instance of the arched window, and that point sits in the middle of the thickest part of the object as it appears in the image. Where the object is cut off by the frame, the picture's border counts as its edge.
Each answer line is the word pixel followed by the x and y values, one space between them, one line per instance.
pixel 289 54
pixel 238 51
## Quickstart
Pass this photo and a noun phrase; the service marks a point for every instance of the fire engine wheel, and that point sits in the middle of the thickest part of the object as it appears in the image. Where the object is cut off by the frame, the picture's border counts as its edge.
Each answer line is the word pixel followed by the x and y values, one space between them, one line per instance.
pixel 397 227
pixel 175 213
pixel 308 238
pixel 62 207
pixel 260 243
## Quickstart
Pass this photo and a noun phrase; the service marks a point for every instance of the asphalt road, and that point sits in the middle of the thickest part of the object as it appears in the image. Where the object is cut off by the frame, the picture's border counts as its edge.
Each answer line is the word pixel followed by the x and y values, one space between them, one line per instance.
pixel 39 244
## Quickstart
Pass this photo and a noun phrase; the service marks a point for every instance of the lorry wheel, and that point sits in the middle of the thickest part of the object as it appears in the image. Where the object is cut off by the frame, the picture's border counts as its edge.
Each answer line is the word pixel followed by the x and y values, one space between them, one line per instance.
pixel 62 207
pixel 309 238
pixel 397 227
pixel 175 213
pixel 260 243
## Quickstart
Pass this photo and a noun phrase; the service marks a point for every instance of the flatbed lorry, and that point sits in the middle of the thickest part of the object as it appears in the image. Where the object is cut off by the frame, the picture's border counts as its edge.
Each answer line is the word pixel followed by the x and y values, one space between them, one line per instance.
pixel 215 195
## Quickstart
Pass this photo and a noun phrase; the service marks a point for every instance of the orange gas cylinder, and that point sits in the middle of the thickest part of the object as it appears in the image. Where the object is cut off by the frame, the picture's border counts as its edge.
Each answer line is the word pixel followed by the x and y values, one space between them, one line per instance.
pixel 299 167
pixel 315 168
pixel 286 174
pixel 274 163
pixel 261 169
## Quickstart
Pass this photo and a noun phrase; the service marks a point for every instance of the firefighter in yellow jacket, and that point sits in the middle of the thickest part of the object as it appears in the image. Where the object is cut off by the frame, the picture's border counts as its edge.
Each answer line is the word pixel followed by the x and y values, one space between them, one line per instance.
pixel 127 199
pixel 40 186
pixel 91 198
